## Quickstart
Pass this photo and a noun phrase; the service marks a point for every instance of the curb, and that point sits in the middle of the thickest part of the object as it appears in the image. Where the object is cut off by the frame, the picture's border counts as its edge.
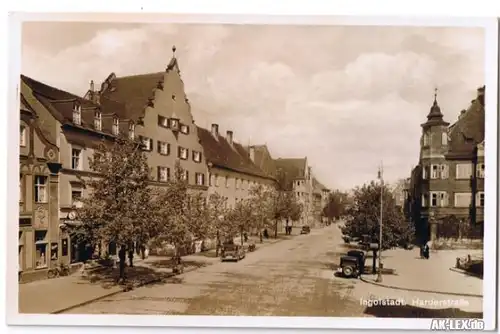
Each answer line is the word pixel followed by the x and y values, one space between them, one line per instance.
pixel 421 290
pixel 121 290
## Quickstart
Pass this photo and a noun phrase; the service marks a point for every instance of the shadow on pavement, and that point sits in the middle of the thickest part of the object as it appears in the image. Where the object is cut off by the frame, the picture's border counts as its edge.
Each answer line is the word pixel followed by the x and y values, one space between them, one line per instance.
pixel 168 264
pixel 108 277
pixel 408 311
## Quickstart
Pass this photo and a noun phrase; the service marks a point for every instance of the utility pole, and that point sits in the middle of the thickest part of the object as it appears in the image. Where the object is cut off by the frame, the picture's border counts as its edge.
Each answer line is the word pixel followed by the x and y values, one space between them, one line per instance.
pixel 380 266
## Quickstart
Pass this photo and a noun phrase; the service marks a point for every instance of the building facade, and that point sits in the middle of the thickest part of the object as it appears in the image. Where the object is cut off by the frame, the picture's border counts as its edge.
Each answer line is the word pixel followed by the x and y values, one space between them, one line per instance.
pixel 41 243
pixel 232 173
pixel 449 178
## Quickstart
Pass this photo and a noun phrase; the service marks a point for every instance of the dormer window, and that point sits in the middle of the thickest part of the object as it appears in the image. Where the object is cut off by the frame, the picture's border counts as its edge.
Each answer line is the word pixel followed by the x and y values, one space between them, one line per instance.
pixel 116 126
pixel 184 129
pixel 174 124
pixel 163 121
pixel 77 114
pixel 131 131
pixel 98 121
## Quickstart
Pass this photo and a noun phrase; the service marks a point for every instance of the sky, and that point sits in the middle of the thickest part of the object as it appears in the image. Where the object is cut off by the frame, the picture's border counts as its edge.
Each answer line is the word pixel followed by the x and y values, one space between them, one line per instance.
pixel 345 97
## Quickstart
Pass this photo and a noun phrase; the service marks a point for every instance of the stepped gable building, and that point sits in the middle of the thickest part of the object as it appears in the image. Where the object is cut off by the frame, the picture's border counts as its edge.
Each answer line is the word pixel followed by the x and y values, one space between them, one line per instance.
pixel 158 112
pixel 449 178
pixel 232 173
pixel 64 130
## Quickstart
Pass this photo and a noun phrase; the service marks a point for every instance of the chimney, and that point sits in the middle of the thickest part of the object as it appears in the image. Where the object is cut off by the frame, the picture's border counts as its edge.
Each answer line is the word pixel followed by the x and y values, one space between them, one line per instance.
pixel 251 151
pixel 462 113
pixel 229 137
pixel 215 130
pixel 92 86
pixel 480 95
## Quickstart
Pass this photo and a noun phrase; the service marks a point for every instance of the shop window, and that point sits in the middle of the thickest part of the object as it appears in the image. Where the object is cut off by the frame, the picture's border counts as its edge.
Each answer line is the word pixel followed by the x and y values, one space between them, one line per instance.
pixel 54 251
pixel 41 249
pixel 64 247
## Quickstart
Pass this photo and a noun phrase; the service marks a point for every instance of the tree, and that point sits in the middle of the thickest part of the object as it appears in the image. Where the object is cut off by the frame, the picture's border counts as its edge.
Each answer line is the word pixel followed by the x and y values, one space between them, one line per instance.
pixel 296 208
pixel 217 212
pixel 261 203
pixel 119 207
pixel 364 214
pixel 240 218
pixel 336 205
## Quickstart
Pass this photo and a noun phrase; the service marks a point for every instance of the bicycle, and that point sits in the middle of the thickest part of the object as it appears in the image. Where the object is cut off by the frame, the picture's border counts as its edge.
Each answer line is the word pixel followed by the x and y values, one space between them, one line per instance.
pixel 60 270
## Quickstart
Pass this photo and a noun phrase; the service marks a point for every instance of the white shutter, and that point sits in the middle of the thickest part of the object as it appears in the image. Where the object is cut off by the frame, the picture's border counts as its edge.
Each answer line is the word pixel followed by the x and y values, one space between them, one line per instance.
pixel 423 200
pixel 424 172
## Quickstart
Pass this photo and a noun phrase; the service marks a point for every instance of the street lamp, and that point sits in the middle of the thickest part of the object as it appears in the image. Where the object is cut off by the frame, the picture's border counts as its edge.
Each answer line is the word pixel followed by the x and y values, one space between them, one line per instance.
pixel 380 266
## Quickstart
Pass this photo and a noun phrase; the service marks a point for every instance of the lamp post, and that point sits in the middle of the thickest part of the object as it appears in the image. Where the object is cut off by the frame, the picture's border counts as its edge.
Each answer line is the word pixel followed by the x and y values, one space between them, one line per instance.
pixel 380 266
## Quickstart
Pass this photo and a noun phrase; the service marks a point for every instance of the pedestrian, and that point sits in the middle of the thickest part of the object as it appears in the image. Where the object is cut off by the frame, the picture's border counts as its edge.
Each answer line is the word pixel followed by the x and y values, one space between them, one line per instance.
pixel 426 251
pixel 266 234
pixel 121 257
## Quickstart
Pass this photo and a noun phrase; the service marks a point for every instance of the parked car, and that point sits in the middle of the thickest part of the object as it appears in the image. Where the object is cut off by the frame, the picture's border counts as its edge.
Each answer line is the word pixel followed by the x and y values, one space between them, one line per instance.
pixel 232 252
pixel 305 230
pixel 352 264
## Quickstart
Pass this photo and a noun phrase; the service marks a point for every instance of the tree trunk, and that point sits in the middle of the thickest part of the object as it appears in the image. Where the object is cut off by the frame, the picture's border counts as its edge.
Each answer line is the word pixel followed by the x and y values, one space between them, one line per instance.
pixel 260 236
pixel 217 245
pixel 241 235
pixel 276 229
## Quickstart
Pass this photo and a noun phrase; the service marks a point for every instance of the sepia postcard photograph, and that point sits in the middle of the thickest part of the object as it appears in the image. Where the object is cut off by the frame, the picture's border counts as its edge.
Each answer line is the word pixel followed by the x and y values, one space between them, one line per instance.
pixel 314 173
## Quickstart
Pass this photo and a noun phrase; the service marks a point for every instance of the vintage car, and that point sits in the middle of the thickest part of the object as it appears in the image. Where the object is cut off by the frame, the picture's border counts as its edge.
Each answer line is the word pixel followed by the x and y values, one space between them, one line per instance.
pixel 305 230
pixel 352 264
pixel 231 251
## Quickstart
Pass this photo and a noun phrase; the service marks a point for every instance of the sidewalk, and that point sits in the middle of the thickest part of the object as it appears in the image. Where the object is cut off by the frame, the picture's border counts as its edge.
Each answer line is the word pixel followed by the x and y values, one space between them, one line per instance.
pixel 56 295
pixel 59 294
pixel 430 276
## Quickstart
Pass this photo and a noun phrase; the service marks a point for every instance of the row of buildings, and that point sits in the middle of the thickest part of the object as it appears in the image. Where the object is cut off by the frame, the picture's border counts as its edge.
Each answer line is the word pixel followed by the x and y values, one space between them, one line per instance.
pixel 59 131
pixel 449 178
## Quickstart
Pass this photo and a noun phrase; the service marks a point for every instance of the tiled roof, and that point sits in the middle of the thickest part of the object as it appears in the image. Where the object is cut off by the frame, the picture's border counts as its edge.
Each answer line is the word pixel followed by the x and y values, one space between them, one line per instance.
pixel 468 130
pixel 133 92
pixel 221 154
pixel 60 104
pixel 263 159
pixel 289 170
pixel 318 185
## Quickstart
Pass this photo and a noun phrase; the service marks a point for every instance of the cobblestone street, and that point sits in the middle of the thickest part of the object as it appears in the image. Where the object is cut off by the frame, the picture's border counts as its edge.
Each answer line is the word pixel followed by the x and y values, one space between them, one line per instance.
pixel 289 278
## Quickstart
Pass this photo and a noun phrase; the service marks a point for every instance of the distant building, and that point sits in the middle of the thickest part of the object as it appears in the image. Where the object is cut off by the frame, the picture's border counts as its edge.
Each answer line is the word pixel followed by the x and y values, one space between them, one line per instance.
pixel 449 178
pixel 320 200
pixel 232 173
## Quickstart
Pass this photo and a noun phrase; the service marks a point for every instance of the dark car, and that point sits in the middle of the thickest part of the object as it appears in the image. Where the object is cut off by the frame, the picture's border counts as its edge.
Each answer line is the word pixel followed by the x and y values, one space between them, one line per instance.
pixel 352 264
pixel 232 252
pixel 305 230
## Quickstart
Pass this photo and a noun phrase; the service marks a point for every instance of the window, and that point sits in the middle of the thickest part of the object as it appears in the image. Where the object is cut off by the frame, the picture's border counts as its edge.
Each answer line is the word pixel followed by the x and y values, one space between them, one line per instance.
pixel 184 129
pixel 216 178
pixel 444 139
pixel 438 199
pixel 76 158
pixel 163 121
pixel 237 183
pixel 426 139
pixel 22 135
pixel 425 172
pixel 116 126
pixel 163 148
pixel 243 184
pixel 183 153
pixel 40 189
pixel 444 171
pixel 21 188
pixel 480 199
pixel 98 121
pixel 64 247
pixel 434 171
pixel 131 131
pixel 163 174
pixel 462 200
pixel 210 179
pixel 196 156
pixel 227 182
pixel 424 200
pixel 76 198
pixel 185 176
pixel 480 171
pixel 200 179
pixel 147 143
pixel 174 123
pixel 77 114
pixel 41 249
pixel 464 171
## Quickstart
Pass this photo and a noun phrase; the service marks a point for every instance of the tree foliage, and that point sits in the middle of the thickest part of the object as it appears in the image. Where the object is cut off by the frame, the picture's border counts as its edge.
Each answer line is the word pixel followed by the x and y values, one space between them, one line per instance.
pixel 119 206
pixel 336 206
pixel 363 217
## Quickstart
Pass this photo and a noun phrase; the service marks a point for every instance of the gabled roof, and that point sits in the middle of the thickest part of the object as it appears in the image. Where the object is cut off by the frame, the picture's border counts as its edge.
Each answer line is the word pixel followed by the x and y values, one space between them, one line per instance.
pixel 60 104
pixel 133 92
pixel 221 154
pixel 293 168
pixel 468 130
pixel 263 159
pixel 318 185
